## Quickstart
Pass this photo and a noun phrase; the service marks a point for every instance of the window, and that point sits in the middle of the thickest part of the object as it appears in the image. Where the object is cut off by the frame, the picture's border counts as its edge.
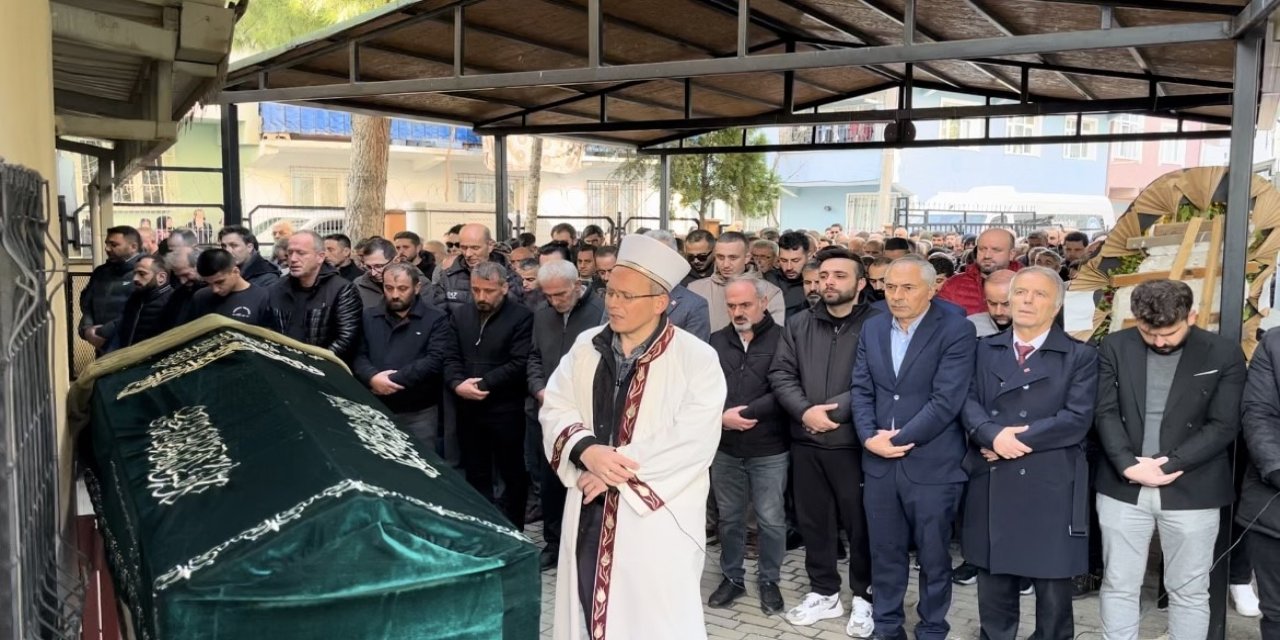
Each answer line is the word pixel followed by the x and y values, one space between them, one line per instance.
pixel 153 185
pixel 478 188
pixel 1172 151
pixel 1131 149
pixel 317 187
pixel 1085 127
pixel 862 210
pixel 966 129
pixel 1022 127
pixel 611 197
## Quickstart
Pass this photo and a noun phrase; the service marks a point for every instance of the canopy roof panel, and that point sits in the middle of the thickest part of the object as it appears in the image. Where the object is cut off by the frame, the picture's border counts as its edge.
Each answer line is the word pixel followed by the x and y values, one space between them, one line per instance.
pixel 650 72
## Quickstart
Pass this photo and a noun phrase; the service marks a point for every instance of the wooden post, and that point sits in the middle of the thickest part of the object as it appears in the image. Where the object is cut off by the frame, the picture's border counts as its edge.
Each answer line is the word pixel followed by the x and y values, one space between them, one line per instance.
pixel 1212 267
pixel 1184 251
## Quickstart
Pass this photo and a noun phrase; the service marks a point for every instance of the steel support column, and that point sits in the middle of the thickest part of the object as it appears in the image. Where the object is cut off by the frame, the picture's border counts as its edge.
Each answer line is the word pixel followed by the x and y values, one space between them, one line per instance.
pixel 664 192
pixel 501 223
pixel 1235 249
pixel 231 207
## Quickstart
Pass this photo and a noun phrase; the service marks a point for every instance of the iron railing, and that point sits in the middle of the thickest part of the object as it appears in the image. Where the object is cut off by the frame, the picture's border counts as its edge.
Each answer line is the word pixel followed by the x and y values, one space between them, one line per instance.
pixel 38 599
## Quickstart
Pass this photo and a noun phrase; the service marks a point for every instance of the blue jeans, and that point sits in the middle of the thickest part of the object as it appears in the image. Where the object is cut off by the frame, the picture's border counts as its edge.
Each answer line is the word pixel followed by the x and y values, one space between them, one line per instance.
pixel 762 480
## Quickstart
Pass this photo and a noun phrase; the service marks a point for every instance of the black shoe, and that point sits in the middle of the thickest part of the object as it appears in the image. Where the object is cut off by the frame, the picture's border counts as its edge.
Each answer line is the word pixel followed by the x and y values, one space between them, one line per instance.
pixel 725 594
pixel 1025 587
pixel 900 635
pixel 1083 585
pixel 548 559
pixel 770 599
pixel 965 574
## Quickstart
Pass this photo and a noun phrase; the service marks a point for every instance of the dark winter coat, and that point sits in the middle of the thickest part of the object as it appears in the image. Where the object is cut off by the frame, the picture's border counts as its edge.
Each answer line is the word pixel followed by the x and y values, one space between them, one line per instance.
pixel 143 317
pixel 414 347
pixel 1261 426
pixel 793 297
pixel 259 272
pixel 370 291
pixel 103 298
pixel 746 372
pixel 554 333
pixel 327 315
pixel 454 289
pixel 1201 418
pixel 813 366
pixel 495 349
pixel 1029 516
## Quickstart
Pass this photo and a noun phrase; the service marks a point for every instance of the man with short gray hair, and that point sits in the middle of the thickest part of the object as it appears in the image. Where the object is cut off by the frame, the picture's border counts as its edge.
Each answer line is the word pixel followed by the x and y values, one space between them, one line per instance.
pixel 313 304
pixel 569 311
pixel 687 309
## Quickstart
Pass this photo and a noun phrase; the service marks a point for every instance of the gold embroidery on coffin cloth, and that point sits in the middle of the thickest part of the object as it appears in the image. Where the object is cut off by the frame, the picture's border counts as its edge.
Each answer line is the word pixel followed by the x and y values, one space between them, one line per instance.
pixel 186 455
pixel 197 356
pixel 381 436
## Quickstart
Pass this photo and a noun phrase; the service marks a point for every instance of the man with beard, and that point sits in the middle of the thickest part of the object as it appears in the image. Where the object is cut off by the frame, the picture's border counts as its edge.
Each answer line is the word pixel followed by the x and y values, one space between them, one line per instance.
pixel 1075 250
pixel 409 249
pixel 243 246
pixel 1167 416
pixel 812 283
pixel 731 262
pixel 402 353
pixel 994 253
pixel 570 310
pixel 875 279
pixel 751 464
pixel 110 286
pixel 337 251
pixel 486 372
pixel 143 316
pixel 228 294
pixel 454 289
pixel 606 259
pixel 810 377
pixel 313 304
pixel 793 252
pixel 699 246
pixel 376 255
pixel 997 317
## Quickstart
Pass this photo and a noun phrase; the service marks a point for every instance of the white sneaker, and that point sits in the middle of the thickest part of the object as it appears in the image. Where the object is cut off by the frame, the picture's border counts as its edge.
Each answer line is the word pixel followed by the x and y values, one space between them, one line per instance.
pixel 861 624
pixel 1245 600
pixel 815 607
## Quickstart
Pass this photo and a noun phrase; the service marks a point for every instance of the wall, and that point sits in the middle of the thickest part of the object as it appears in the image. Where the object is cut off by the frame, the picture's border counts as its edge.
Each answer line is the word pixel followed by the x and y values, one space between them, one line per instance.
pixel 808 209
pixel 926 172
pixel 1127 176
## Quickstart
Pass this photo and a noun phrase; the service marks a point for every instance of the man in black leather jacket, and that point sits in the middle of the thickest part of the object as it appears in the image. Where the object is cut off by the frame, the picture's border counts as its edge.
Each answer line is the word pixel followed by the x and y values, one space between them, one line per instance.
pixel 313 304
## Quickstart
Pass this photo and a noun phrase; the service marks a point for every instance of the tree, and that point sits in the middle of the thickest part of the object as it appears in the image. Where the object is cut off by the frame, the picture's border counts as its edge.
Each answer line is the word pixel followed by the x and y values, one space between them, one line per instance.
pixel 271 23
pixel 535 184
pixel 744 181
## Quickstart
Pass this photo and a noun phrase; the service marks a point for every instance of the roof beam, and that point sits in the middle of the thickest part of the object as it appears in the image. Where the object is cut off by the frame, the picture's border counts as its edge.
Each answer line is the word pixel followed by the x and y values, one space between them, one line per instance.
pixel 959 49
pixel 68 100
pixel 1000 26
pixel 920 144
pixel 1158 5
pixel 1163 106
pixel 115 128
pixel 111 33
pixel 1253 14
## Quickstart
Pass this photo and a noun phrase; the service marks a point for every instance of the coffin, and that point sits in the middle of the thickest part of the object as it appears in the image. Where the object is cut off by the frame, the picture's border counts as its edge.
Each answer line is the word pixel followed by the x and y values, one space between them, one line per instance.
pixel 248 487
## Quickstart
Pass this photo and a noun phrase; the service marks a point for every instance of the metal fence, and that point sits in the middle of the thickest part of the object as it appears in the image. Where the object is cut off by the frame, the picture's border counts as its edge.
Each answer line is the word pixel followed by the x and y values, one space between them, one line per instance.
pixel 37 599
pixel 969 222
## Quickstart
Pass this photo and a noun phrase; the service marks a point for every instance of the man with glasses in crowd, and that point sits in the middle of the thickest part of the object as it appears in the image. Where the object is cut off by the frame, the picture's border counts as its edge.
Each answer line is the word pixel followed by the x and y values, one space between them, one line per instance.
pixel 376 255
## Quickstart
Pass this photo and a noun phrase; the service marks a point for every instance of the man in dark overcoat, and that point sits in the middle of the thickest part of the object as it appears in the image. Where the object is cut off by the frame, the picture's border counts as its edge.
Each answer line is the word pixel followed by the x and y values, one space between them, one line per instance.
pixel 1028 413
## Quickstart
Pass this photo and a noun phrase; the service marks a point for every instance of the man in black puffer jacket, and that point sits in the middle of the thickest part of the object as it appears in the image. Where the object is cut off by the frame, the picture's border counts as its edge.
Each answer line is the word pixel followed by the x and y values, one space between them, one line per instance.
pixel 144 312
pixel 486 373
pixel 313 304
pixel 1258 509
pixel 454 290
pixel 811 377
pixel 109 287
pixel 752 461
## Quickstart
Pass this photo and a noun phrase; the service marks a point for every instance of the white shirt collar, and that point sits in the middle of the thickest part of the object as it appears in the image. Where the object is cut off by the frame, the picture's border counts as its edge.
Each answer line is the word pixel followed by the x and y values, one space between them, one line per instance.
pixel 1036 342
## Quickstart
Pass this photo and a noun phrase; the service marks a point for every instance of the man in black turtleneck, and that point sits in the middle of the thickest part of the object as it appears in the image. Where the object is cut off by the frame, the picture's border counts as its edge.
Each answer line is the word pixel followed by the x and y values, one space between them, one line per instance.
pixel 794 250
pixel 143 315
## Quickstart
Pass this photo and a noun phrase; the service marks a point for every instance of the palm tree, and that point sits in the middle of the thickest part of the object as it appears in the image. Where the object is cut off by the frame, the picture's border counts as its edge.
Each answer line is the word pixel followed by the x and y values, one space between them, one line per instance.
pixel 271 23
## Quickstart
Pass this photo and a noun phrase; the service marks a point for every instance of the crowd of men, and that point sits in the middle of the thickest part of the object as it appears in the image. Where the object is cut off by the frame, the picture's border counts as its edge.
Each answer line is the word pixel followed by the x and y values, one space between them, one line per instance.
pixel 883 394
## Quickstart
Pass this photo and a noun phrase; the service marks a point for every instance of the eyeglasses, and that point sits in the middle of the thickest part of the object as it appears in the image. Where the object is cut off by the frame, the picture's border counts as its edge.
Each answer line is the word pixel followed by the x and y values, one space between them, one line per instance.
pixel 625 296
pixel 699 257
pixel 452 245
pixel 376 267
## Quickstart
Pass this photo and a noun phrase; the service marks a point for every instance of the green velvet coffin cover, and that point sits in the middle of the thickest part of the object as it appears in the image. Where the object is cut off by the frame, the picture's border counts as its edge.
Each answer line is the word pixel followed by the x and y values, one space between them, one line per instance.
pixel 249 487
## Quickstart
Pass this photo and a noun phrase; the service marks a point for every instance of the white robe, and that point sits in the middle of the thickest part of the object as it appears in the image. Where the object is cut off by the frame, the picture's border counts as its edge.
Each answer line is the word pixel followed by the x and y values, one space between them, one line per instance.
pixel 652 556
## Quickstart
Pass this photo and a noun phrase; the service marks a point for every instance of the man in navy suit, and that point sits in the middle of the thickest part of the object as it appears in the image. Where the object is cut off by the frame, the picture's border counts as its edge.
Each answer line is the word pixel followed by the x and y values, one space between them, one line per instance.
pixel 910 380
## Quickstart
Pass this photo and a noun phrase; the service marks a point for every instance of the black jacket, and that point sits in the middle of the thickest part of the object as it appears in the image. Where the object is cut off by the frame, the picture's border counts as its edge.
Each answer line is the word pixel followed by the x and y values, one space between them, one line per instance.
pixel 814 365
pixel 1201 418
pixel 415 347
pixel 350 271
pixel 259 272
pixel 746 373
pixel 143 317
pixel 1261 426
pixel 553 335
pixel 792 291
pixel 495 349
pixel 103 299
pixel 454 290
pixel 179 310
pixel 327 315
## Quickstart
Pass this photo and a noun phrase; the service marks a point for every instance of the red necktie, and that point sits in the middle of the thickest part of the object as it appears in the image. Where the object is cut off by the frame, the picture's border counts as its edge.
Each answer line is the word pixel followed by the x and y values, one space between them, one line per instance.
pixel 1024 351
